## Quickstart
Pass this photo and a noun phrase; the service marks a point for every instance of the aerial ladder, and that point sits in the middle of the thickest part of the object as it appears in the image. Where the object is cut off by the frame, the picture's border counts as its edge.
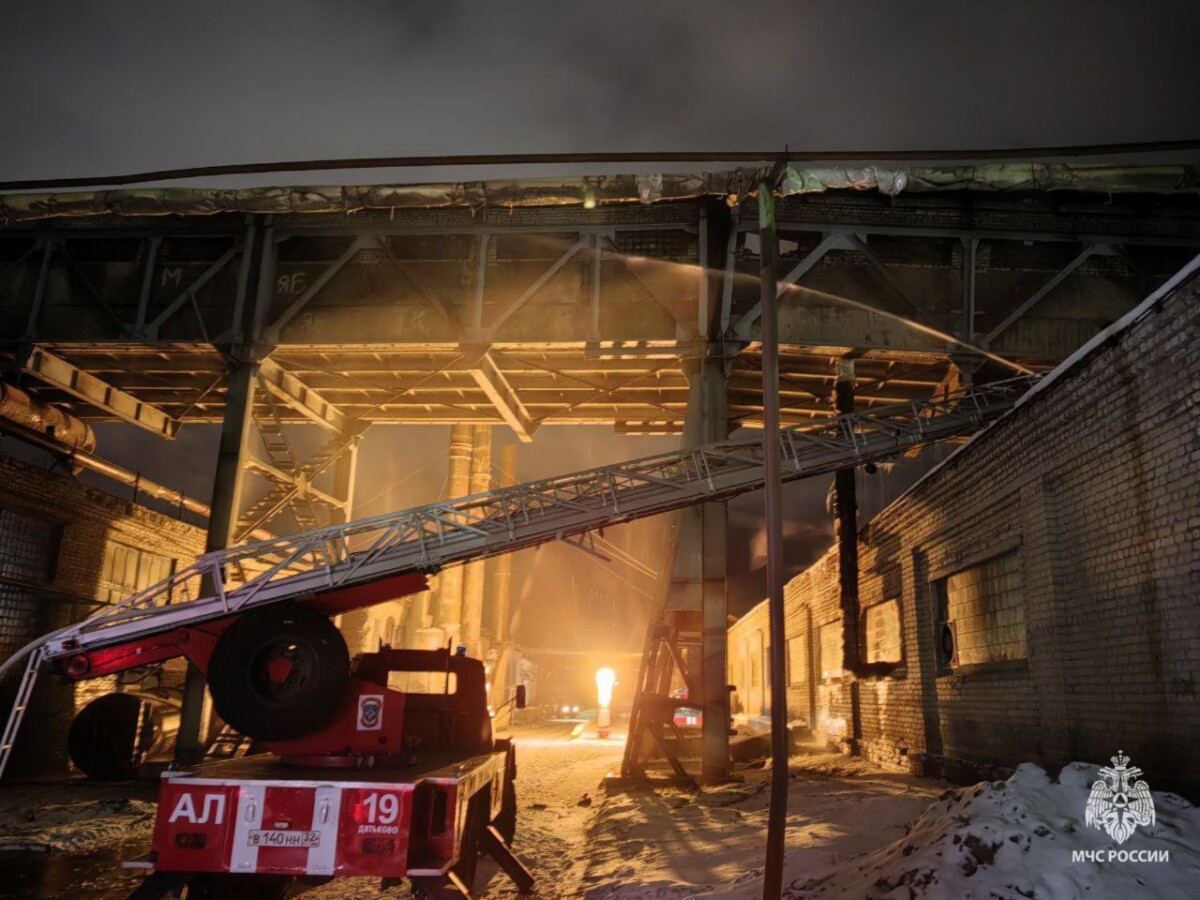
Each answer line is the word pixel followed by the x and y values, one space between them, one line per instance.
pixel 361 563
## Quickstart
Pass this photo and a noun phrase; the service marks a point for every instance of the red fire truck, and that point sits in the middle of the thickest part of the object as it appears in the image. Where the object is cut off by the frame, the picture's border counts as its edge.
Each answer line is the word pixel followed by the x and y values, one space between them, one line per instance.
pixel 382 766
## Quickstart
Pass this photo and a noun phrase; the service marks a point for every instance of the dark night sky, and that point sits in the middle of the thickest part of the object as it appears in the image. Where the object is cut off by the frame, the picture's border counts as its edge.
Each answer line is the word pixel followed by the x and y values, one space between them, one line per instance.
pixel 117 87
pixel 121 86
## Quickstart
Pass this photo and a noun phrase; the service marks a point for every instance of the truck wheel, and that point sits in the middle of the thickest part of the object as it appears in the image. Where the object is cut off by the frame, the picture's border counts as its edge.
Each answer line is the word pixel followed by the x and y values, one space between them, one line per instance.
pixel 279 673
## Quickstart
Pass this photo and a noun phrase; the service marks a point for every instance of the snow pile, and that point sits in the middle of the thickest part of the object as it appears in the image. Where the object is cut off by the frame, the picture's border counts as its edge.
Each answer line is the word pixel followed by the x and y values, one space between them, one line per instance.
pixel 1013 840
pixel 76 827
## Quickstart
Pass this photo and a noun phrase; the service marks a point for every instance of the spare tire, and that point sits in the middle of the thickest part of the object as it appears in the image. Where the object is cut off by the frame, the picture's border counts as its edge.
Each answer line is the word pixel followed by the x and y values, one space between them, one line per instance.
pixel 279 673
pixel 103 739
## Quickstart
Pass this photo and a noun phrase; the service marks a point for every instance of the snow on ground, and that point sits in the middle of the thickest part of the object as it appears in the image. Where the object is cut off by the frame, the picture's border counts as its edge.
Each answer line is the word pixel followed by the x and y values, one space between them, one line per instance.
pixel 74 818
pixel 862 834
pixel 853 832
pixel 1014 839
pixel 678 844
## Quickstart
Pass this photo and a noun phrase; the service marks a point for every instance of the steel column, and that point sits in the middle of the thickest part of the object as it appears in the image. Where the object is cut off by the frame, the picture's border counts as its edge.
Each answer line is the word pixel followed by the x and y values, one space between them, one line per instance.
pixel 232 452
pixel 700 566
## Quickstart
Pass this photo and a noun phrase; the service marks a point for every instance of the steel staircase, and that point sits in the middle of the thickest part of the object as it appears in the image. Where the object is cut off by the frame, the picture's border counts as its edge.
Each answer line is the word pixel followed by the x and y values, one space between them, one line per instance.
pixel 565 508
pixel 282 494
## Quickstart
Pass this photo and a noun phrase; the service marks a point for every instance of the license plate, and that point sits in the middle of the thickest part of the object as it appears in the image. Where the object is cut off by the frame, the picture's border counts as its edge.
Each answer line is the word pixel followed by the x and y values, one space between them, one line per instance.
pixel 267 837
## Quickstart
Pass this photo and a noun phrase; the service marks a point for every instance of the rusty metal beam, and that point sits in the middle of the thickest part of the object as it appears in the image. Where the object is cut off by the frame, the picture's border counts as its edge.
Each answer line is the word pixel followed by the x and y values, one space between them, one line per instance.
pixel 296 395
pixel 57 372
pixel 275 329
pixel 499 391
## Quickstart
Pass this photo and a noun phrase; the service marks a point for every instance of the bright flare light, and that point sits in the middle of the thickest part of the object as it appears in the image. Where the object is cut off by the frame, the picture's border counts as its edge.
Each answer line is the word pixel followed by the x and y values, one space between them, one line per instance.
pixel 605 679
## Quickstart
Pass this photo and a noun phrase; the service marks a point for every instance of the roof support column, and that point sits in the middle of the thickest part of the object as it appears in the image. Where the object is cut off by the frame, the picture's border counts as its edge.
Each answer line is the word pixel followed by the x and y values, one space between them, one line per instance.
pixel 699 579
pixel 354 625
pixel 232 453
pixel 772 489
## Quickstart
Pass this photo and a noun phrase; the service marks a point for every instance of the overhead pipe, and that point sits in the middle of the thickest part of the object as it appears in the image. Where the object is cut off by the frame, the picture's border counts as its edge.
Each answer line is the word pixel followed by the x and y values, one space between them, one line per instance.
pixel 85 459
pixel 59 426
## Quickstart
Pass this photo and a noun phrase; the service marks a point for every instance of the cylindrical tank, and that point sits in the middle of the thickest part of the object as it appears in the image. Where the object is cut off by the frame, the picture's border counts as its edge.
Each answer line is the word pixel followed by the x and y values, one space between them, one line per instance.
pixel 18 406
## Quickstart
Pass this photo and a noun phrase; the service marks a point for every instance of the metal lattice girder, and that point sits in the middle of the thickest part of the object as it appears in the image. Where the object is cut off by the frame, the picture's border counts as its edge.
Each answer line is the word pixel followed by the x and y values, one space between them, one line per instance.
pixel 57 372
pixel 508 519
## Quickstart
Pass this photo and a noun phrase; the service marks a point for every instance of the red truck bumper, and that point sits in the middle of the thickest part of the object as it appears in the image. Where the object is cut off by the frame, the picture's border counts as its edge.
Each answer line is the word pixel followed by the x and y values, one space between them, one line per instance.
pixel 221 819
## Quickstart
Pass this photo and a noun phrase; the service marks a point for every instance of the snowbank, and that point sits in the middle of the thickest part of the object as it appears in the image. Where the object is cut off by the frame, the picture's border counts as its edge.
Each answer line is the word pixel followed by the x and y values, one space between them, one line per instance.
pixel 1014 839
pixel 1000 840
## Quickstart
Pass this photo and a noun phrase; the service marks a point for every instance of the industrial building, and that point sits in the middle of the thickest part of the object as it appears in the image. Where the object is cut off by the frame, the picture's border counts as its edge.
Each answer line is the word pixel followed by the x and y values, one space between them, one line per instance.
pixel 1033 597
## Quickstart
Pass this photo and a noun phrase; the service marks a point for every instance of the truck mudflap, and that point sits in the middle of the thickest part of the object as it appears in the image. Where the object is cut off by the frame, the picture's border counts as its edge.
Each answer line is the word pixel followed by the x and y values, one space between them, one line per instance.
pixel 280 827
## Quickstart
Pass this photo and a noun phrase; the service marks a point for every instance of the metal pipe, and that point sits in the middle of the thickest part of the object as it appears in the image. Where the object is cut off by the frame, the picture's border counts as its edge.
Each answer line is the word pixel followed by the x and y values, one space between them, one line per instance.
pixel 449 593
pixel 502 159
pixel 93 463
pixel 62 428
pixel 777 813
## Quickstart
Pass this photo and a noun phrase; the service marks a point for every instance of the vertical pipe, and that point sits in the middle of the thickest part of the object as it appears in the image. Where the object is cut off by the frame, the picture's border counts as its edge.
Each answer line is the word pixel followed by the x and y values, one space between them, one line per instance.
pixel 777 814
pixel 502 590
pixel 448 600
pixel 845 504
pixel 479 481
pixel 967 328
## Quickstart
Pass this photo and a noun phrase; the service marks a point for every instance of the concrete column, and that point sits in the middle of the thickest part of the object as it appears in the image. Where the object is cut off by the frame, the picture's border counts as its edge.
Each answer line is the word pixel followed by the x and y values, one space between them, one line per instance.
pixel 698 581
pixel 474 573
pixel 502 591
pixel 448 597
pixel 222 522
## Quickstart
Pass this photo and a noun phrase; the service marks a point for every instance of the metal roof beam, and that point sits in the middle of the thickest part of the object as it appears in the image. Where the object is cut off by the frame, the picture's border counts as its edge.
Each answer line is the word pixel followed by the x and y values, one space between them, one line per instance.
pixel 296 395
pixel 500 392
pixel 59 373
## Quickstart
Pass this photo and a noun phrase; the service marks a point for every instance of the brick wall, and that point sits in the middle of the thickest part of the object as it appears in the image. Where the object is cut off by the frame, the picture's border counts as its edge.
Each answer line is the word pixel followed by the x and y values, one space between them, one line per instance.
pixel 61 586
pixel 1093 486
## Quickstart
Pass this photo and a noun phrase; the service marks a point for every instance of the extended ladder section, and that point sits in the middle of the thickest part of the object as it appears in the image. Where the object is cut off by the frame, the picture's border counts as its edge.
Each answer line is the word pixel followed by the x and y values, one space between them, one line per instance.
pixel 428 538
